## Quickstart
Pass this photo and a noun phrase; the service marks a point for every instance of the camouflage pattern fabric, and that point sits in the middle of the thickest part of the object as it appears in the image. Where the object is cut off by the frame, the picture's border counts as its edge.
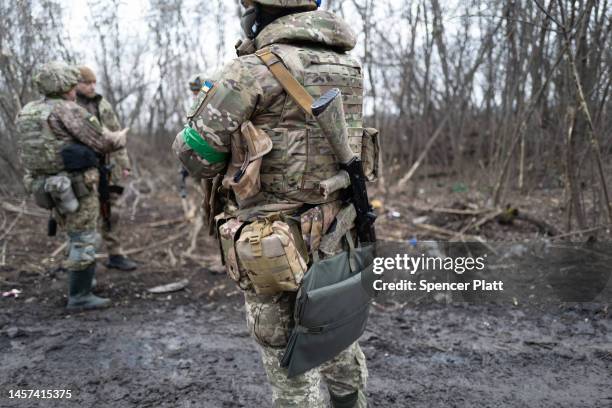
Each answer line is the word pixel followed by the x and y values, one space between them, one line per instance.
pixel 81 227
pixel 45 126
pixel 56 78
pixel 102 109
pixel 246 90
pixel 269 319
pixel 328 30
pixel 69 121
pixel 312 45
pixel 112 237
pixel 294 4
pixel 39 147
pixel 81 250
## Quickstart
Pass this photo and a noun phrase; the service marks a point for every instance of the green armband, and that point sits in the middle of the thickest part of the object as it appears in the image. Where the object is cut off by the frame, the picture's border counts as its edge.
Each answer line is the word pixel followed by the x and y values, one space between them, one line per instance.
pixel 192 138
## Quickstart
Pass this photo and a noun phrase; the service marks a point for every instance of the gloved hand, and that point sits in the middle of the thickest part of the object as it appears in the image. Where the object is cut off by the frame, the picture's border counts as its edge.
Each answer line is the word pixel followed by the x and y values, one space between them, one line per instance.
pixel 117 139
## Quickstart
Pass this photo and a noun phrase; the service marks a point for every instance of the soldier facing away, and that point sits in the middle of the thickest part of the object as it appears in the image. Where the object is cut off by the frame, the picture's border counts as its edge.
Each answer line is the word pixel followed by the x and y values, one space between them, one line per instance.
pixel 274 203
pixel 59 145
pixel 119 162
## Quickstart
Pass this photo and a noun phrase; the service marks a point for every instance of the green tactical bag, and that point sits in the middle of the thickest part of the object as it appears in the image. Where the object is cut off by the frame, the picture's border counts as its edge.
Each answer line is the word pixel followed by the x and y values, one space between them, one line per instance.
pixel 331 309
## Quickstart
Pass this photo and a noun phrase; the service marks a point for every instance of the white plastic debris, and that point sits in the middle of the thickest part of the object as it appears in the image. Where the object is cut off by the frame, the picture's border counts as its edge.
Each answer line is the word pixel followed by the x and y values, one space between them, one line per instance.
pixel 12 293
pixel 393 215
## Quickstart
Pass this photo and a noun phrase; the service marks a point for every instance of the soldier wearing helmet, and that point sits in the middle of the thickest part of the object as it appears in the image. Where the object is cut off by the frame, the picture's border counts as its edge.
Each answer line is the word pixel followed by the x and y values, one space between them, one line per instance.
pixel 280 195
pixel 59 144
pixel 119 162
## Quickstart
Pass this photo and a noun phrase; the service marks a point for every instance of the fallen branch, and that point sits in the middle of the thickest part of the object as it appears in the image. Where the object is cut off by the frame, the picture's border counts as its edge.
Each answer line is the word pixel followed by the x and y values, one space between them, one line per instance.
pixel 543 226
pixel 10 228
pixel 197 227
pixel 3 260
pixel 172 257
pixel 447 233
pixel 154 245
pixel 22 210
pixel 423 154
pixel 487 218
pixel 580 232
pixel 163 223
pixel 211 262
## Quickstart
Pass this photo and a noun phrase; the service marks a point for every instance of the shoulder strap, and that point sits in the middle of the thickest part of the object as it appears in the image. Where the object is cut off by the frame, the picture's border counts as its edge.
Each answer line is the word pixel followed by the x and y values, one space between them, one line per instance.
pixel 291 85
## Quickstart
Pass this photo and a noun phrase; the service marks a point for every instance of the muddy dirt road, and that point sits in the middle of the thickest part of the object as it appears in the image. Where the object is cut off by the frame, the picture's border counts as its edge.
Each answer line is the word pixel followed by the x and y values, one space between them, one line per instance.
pixel 191 348
pixel 189 352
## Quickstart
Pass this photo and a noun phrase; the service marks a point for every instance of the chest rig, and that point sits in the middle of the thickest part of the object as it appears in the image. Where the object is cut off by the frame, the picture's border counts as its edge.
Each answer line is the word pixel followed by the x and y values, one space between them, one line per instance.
pixel 301 157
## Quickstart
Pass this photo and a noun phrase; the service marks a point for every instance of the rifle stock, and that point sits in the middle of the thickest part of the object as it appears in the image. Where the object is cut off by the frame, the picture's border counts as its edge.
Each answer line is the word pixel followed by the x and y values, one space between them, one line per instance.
pixel 329 113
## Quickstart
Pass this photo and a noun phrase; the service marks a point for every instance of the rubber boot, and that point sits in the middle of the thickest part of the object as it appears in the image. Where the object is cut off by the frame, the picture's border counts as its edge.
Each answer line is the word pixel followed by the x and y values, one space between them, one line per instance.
pixel 120 262
pixel 345 401
pixel 80 296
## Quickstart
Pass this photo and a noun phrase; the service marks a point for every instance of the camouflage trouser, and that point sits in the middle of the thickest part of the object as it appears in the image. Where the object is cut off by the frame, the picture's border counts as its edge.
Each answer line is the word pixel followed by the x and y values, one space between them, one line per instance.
pixel 111 237
pixel 268 318
pixel 81 229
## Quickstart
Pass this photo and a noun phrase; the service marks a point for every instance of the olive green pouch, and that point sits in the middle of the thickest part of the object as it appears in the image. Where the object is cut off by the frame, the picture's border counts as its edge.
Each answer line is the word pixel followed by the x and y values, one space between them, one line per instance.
pixel 331 309
pixel 78 185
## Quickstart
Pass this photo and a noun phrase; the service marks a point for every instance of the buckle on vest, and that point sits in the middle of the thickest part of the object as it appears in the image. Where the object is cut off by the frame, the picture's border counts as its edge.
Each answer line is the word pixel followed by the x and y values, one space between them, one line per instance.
pixel 255 242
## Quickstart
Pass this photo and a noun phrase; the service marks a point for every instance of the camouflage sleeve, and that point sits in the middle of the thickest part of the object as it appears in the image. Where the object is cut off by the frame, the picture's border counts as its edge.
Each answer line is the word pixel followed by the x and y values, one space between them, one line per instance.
pixel 70 120
pixel 218 113
pixel 108 117
pixel 109 120
pixel 121 160
pixel 230 102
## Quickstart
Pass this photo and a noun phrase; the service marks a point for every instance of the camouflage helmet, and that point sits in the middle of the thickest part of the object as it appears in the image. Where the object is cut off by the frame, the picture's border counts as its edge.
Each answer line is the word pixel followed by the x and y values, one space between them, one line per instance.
pixel 293 4
pixel 56 78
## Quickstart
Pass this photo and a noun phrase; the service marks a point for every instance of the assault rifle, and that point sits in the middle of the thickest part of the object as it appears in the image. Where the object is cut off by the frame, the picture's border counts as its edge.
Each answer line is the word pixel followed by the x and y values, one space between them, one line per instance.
pixel 329 114
pixel 104 190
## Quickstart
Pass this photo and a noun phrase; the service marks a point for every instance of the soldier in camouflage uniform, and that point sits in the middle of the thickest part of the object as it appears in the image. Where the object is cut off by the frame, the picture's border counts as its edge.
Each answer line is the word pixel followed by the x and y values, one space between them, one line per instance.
pixel 98 106
pixel 313 45
pixel 46 128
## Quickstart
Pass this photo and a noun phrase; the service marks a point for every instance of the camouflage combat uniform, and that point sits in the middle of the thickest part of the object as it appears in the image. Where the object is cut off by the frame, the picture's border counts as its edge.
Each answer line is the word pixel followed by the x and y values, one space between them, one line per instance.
pixel 45 127
pixel 119 160
pixel 313 46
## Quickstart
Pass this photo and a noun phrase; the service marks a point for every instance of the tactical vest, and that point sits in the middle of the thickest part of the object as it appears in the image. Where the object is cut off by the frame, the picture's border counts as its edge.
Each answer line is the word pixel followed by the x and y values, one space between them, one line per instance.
pixel 301 157
pixel 38 145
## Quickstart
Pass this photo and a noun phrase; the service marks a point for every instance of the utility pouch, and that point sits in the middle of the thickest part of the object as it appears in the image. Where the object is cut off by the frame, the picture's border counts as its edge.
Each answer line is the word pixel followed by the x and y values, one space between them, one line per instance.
pixel 273 254
pixel 370 151
pixel 41 197
pixel 228 231
pixel 78 185
pixel 331 309
pixel 60 189
pixel 247 147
